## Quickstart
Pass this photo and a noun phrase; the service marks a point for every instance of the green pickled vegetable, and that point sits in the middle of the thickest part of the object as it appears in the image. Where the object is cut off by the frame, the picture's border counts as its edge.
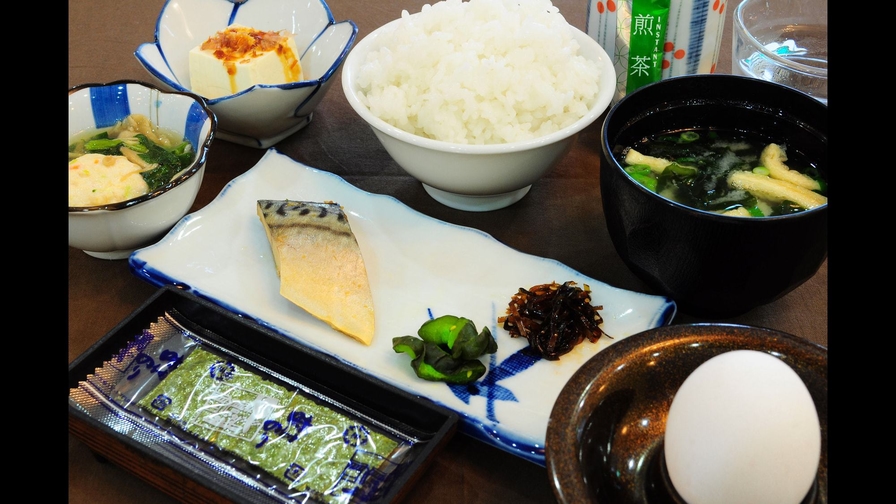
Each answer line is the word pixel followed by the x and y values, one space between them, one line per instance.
pixel 430 362
pixel 448 349
pixel 459 335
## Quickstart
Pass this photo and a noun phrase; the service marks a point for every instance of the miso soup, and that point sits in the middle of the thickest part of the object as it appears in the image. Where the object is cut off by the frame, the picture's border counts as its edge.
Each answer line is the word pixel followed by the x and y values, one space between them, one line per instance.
pixel 726 172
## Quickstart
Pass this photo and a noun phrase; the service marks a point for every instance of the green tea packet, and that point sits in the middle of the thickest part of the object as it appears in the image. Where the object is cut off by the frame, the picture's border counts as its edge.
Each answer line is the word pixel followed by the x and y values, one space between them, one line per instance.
pixel 646 38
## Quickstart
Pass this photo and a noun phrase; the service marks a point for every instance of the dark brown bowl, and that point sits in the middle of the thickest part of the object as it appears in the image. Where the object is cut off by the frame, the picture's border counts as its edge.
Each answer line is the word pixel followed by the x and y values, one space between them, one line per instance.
pixel 605 434
pixel 713 266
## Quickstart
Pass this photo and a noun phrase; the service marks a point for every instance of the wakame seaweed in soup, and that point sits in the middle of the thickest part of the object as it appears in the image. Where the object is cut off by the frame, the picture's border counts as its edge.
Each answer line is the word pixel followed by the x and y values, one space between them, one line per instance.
pixel 726 172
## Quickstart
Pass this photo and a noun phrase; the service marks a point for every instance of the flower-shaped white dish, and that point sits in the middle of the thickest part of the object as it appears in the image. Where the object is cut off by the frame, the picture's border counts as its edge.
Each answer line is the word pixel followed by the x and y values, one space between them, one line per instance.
pixel 113 231
pixel 418 268
pixel 263 114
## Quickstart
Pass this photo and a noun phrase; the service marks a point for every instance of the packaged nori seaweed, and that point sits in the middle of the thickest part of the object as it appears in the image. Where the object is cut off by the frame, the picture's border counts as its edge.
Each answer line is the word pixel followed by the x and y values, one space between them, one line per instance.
pixel 306 444
pixel 169 385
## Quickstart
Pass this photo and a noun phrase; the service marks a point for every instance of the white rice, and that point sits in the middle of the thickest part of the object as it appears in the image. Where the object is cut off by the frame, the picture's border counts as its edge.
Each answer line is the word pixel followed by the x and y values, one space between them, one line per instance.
pixel 479 72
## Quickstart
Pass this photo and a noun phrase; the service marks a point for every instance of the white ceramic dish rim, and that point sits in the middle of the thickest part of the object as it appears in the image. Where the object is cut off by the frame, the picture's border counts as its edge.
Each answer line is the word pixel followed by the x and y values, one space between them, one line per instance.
pixel 220 253
pixel 198 163
pixel 174 83
pixel 605 96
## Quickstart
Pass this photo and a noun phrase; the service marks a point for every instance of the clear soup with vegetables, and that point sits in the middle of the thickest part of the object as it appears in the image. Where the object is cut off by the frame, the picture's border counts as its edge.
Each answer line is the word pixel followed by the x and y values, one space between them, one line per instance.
pixel 726 172
pixel 128 160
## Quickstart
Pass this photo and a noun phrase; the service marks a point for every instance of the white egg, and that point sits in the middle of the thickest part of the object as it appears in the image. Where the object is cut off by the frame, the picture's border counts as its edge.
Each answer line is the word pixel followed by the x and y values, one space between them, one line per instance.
pixel 742 428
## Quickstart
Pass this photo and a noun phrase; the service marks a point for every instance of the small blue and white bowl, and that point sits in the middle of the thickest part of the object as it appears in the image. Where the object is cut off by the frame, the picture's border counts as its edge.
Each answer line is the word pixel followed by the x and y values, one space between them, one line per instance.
pixel 262 115
pixel 115 230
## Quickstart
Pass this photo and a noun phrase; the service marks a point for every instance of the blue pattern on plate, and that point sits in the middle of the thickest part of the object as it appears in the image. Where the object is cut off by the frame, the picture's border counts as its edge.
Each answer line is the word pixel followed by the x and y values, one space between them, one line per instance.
pixel 488 386
pixel 196 118
pixel 109 104
pixel 236 7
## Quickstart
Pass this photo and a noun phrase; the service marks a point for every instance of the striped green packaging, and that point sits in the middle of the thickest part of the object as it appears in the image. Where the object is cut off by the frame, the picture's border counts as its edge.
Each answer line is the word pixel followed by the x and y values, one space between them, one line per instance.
pixel 647 36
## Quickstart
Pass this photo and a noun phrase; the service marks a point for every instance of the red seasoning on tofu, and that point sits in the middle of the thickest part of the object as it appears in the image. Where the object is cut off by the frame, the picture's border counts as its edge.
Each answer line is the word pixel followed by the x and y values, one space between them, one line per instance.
pixel 239 57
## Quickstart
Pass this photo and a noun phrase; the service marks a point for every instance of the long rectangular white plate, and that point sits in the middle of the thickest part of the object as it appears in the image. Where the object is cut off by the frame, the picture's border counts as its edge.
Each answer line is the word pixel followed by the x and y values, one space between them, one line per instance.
pixel 418 268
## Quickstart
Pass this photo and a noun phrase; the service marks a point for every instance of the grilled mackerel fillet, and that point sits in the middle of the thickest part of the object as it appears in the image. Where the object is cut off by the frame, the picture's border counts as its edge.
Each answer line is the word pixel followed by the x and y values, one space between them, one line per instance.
pixel 319 263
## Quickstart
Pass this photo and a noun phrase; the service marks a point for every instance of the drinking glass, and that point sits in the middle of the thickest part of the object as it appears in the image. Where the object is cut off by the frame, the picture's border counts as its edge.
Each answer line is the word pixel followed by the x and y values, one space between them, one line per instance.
pixel 783 41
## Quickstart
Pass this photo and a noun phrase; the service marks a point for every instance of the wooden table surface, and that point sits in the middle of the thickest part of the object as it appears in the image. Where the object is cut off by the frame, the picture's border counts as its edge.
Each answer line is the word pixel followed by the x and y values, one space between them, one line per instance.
pixel 561 218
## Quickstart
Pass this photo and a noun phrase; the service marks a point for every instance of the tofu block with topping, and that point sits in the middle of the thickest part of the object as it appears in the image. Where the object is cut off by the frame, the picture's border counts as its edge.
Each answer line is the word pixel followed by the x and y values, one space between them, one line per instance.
pixel 239 57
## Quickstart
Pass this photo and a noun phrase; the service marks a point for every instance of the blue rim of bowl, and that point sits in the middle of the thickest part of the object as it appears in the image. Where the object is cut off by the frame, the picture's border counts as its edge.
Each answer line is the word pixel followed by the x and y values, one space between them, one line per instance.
pixel 176 85
pixel 706 214
pixel 201 150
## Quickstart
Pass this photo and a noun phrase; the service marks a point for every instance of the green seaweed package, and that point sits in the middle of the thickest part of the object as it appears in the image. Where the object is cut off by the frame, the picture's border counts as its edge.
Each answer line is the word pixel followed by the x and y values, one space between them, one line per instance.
pixel 316 451
pixel 646 38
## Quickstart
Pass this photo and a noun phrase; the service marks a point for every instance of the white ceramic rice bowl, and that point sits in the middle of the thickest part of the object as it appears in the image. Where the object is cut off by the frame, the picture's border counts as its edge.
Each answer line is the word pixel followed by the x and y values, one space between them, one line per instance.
pixel 115 230
pixel 262 115
pixel 476 177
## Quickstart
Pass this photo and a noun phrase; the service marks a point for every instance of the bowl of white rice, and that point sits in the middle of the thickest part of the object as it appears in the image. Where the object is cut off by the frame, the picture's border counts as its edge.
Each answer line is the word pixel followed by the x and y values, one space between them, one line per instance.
pixel 478 99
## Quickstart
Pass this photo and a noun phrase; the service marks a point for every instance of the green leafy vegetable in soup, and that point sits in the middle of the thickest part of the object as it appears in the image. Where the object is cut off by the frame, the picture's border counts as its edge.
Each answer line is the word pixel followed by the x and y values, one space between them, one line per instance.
pixel 130 159
pixel 727 173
